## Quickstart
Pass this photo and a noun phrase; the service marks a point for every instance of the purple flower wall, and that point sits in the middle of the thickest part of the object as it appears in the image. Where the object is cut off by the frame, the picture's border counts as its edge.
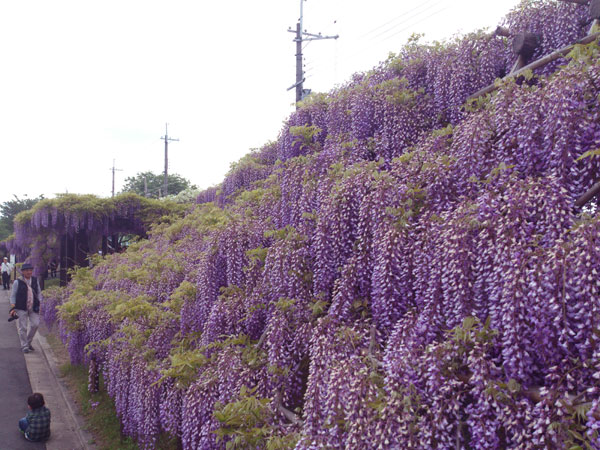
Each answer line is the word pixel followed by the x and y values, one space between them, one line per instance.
pixel 398 270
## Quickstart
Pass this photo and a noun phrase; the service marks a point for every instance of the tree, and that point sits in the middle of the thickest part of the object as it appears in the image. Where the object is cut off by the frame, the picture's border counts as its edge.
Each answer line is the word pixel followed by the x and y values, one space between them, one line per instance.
pixel 188 195
pixel 155 184
pixel 8 211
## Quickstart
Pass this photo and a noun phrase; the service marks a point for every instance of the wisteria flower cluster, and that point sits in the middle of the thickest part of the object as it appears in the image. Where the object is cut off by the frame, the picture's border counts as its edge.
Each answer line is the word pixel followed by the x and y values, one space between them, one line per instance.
pixel 87 219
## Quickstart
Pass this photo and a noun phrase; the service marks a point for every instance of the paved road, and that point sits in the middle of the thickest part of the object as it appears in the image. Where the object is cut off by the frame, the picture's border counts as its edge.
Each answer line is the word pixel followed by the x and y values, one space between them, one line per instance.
pixel 20 375
pixel 14 384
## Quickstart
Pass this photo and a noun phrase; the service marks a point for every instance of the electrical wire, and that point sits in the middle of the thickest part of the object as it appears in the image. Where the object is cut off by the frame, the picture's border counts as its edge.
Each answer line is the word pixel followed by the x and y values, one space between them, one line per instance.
pixel 369 46
pixel 407 15
pixel 318 63
pixel 395 18
pixel 428 17
pixel 429 8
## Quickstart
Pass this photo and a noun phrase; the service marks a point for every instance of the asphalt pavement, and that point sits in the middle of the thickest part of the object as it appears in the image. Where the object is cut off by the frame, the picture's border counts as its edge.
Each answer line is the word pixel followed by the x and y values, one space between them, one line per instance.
pixel 22 374
pixel 15 386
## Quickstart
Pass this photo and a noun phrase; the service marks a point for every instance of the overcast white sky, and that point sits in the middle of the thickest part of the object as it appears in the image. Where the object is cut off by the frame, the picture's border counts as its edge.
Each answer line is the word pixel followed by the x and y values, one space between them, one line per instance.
pixel 83 83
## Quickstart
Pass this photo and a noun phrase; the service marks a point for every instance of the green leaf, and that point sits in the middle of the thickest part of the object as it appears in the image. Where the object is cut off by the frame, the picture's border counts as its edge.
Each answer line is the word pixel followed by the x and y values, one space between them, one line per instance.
pixel 554 426
pixel 589 153
pixel 576 435
pixel 468 322
pixel 318 307
pixel 582 409
pixel 513 386
pixel 528 74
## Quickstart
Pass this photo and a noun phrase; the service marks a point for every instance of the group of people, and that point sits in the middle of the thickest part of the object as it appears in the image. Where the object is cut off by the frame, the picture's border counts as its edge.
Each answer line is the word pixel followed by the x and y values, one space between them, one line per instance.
pixel 25 299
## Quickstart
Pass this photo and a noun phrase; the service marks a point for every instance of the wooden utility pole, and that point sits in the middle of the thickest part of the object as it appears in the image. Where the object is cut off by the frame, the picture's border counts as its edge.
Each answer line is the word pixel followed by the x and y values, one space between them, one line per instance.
pixel 166 138
pixel 299 63
pixel 300 38
pixel 114 169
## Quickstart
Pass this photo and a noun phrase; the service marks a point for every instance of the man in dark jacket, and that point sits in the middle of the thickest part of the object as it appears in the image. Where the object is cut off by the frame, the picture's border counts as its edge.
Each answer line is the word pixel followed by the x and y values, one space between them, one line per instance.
pixel 25 298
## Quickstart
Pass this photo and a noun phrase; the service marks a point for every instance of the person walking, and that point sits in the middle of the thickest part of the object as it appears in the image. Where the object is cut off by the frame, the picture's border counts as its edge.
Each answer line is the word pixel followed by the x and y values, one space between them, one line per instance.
pixel 6 269
pixel 53 266
pixel 25 298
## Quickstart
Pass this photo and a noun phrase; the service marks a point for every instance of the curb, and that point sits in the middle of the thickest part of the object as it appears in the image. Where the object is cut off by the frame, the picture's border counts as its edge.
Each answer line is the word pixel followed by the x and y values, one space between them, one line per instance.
pixel 71 414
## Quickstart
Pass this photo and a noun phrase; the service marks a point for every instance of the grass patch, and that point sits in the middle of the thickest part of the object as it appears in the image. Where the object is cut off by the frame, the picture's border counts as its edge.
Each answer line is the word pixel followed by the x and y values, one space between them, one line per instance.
pixel 98 409
pixel 51 282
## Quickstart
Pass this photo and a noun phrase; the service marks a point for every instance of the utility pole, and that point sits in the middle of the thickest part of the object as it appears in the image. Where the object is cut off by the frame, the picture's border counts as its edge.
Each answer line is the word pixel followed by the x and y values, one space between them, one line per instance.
pixel 114 169
pixel 303 36
pixel 166 138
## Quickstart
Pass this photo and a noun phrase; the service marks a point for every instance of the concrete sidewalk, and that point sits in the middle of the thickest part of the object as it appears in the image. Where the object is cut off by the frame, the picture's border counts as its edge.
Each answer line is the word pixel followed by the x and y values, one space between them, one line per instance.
pixel 20 375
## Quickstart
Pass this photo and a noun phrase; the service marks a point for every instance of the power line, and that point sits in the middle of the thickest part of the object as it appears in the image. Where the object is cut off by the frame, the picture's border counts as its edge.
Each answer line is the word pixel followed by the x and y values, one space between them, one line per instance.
pixel 403 15
pixel 396 18
pixel 429 8
pixel 347 56
pixel 368 47
pixel 424 19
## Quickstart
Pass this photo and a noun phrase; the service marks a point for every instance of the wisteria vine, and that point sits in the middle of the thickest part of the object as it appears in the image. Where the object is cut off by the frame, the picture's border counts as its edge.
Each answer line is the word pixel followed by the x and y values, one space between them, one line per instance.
pixel 399 270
